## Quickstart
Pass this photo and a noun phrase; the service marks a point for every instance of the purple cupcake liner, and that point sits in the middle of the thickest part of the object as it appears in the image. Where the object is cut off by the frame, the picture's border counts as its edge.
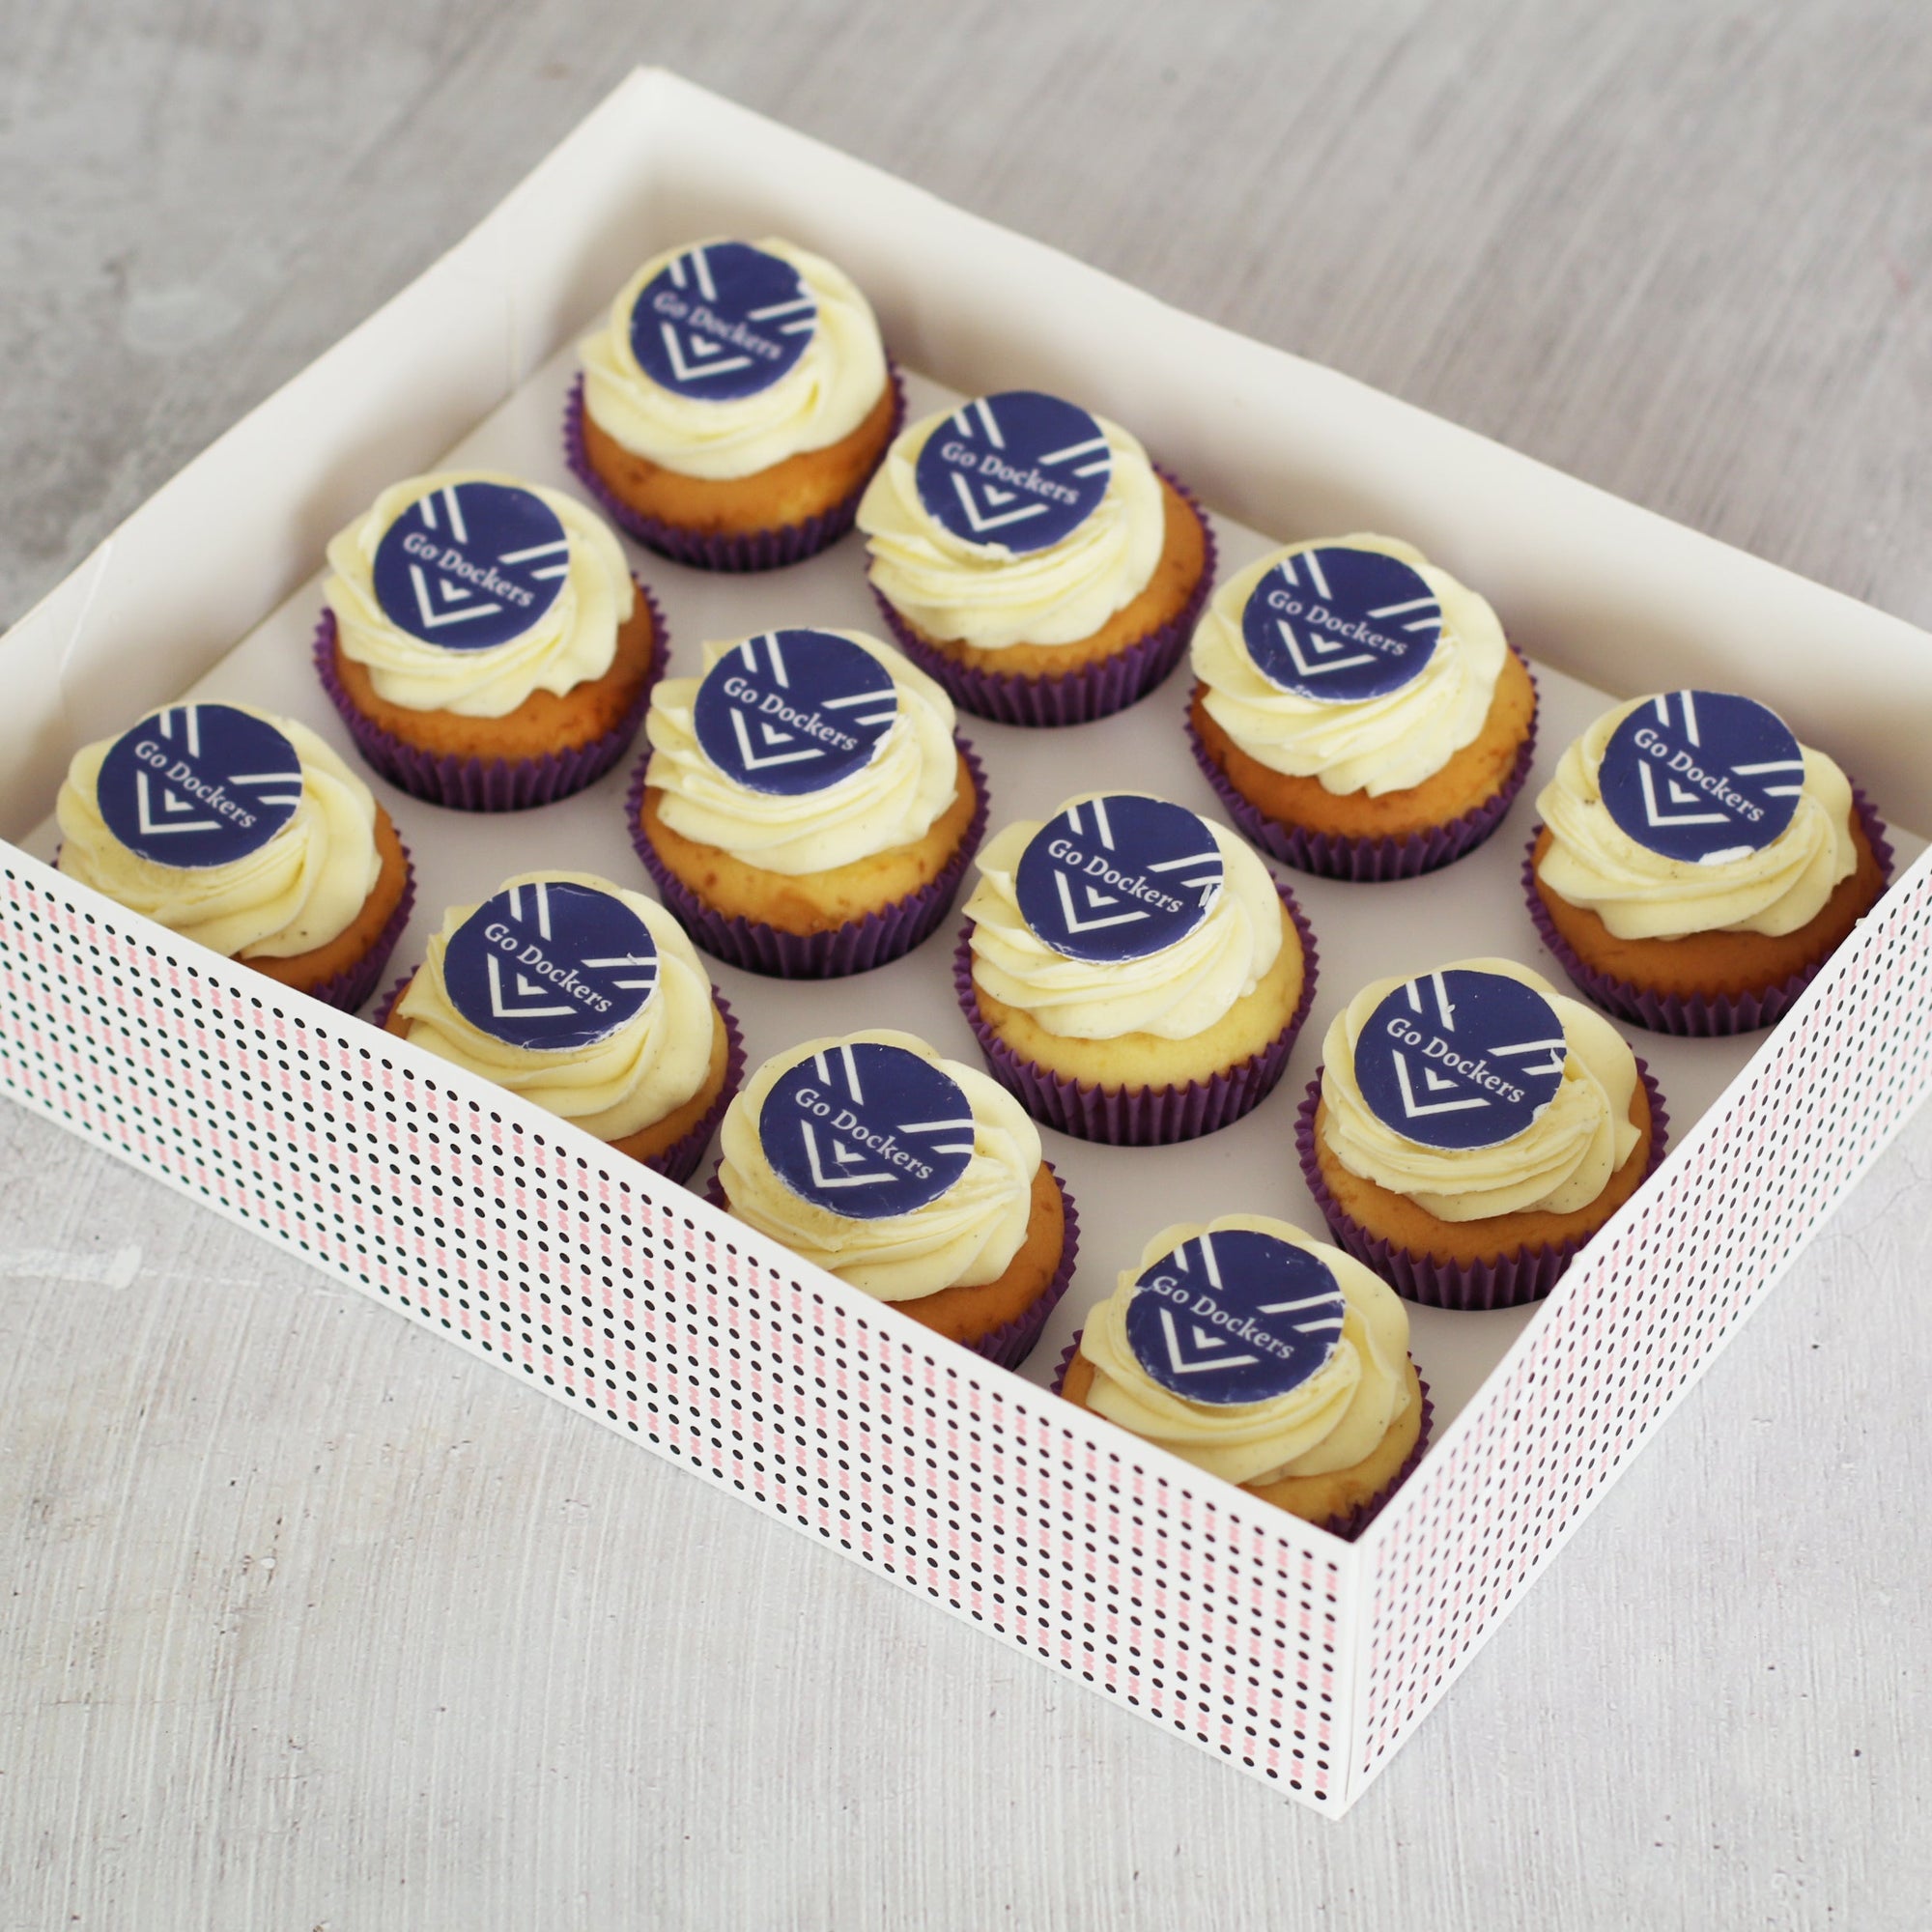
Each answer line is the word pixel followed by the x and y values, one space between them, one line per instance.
pixel 1364 861
pixel 1700 1015
pixel 1139 1116
pixel 1079 697
pixel 756 550
pixel 489 784
pixel 349 989
pixel 874 939
pixel 1351 1524
pixel 1527 1274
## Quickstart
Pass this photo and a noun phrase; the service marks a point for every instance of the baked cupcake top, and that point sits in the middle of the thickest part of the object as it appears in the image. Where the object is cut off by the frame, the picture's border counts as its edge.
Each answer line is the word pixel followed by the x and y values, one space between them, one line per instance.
pixel 1478 1090
pixel 466 591
pixel 1251 1350
pixel 722 358
pixel 1696 811
pixel 901 1172
pixel 1350 659
pixel 1013 519
pixel 584 998
pixel 801 750
pixel 228 825
pixel 1121 914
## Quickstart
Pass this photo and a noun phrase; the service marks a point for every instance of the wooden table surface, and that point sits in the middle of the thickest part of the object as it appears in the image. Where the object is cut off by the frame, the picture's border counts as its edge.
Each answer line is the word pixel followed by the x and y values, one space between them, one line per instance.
pixel 311 1621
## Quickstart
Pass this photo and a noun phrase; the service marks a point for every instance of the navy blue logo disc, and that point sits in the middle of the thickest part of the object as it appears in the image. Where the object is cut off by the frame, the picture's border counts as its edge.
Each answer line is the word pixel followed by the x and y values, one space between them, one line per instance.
pixel 1461 1059
pixel 794 711
pixel 721 321
pixel 1018 469
pixel 1234 1316
pixel 1338 625
pixel 198 785
pixel 866 1129
pixel 551 965
pixel 472 565
pixel 1118 877
pixel 1702 777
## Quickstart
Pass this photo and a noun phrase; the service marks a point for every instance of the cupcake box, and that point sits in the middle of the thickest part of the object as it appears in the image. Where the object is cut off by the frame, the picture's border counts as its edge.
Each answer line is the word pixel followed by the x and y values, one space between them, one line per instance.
pixel 1301 1659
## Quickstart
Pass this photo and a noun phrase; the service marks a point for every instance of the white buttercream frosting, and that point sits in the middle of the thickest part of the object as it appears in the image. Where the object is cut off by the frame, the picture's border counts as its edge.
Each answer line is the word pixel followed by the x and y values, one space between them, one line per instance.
pixel 1561 1161
pixel 820 399
pixel 986 595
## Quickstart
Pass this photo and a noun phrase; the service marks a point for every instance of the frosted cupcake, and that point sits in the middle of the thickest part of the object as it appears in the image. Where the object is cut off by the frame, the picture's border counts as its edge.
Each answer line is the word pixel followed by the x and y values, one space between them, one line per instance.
pixel 247 834
pixel 1031 558
pixel 733 406
pixel 1132 970
pixel 1263 1357
pixel 1697 865
pixel 1358 709
pixel 588 1002
pixel 484 640
pixel 912 1177
pixel 1470 1128
pixel 805 809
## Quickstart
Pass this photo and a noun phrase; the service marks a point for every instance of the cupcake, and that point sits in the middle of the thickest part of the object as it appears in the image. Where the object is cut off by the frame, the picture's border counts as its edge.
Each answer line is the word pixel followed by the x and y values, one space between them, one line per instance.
pixel 1469 1129
pixel 1132 970
pixel 589 1002
pixel 733 408
pixel 1263 1357
pixel 805 807
pixel 1358 709
pixel 485 643
pixel 1030 558
pixel 247 834
pixel 1697 864
pixel 911 1177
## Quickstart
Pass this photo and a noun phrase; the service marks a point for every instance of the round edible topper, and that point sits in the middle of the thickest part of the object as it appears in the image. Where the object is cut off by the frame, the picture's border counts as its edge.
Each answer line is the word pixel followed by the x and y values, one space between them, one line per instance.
pixel 722 320
pixel 1338 625
pixel 1118 877
pixel 1234 1316
pixel 1461 1059
pixel 551 965
pixel 1020 470
pixel 866 1129
pixel 794 711
pixel 470 565
pixel 1702 776
pixel 198 785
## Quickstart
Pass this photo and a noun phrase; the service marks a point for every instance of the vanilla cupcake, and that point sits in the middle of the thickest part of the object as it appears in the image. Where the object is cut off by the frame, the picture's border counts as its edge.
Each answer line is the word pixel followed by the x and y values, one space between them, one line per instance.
pixel 1697 864
pixel 1131 970
pixel 485 642
pixel 1264 1358
pixel 247 834
pixel 913 1178
pixel 1031 558
pixel 1472 1127
pixel 588 1002
pixel 735 405
pixel 1358 709
pixel 805 807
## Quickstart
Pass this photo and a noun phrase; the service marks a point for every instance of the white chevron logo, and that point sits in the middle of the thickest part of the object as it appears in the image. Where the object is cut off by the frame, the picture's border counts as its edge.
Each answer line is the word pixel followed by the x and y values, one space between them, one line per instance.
pixel 1213 1348
pixel 1322 646
pixel 755 761
pixel 434 620
pixel 518 1005
pixel 707 358
pixel 1095 900
pixel 981 522
pixel 1416 1109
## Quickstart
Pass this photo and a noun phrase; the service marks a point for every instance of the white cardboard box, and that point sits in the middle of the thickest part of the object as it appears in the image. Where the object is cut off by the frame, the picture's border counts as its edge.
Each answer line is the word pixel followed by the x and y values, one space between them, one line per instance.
pixel 1302 1659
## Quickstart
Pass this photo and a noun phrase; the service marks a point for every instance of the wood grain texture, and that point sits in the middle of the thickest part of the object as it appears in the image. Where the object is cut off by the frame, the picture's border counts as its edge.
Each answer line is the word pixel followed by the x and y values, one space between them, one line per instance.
pixel 310 1620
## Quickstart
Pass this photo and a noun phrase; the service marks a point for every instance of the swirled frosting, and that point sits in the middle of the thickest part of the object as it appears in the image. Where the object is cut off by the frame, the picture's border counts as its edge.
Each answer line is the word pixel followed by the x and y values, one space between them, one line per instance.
pixel 911 780
pixel 1638 893
pixel 1332 1421
pixel 820 399
pixel 965 1237
pixel 616 1085
pixel 1174 994
pixel 1379 744
pixel 574 641
pixel 986 595
pixel 299 891
pixel 1560 1162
